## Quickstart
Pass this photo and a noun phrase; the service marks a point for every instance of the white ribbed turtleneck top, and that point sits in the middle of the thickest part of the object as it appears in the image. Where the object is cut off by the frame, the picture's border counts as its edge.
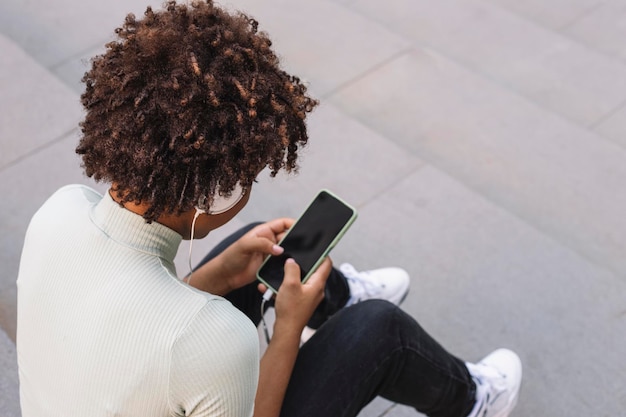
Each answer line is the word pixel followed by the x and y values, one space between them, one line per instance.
pixel 105 327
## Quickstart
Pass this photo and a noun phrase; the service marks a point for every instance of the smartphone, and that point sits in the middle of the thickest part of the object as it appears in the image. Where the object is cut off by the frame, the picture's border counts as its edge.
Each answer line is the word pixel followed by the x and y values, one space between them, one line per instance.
pixel 310 239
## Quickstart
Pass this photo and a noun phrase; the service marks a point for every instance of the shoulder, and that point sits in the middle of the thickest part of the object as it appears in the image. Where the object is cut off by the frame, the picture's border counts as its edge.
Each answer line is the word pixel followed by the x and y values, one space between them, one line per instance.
pixel 75 193
pixel 215 362
pixel 68 197
pixel 221 326
pixel 66 202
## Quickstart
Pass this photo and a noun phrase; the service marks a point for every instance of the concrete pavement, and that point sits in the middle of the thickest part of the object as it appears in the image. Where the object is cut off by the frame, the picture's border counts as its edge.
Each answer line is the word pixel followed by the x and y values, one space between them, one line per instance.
pixel 483 142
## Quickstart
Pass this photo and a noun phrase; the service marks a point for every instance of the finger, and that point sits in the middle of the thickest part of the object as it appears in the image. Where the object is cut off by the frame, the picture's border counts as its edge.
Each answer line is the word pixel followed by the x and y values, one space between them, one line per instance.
pixel 262 288
pixel 292 273
pixel 273 230
pixel 261 244
pixel 321 274
pixel 279 226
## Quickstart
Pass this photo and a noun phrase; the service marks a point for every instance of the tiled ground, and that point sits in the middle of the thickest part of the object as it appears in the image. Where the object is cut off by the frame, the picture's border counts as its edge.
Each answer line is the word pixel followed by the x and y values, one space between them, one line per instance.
pixel 483 141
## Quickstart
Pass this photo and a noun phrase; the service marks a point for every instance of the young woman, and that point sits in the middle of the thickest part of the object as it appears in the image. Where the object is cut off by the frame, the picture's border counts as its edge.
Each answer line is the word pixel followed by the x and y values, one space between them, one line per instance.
pixel 183 110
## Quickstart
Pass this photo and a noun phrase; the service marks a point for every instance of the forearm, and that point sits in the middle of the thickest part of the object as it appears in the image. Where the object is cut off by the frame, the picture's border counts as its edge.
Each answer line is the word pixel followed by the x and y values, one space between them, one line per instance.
pixel 294 305
pixel 210 278
pixel 275 372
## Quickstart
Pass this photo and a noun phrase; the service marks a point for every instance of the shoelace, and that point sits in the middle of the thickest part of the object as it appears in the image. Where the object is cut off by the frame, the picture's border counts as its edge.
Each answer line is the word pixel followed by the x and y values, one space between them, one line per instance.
pixel 490 381
pixel 360 286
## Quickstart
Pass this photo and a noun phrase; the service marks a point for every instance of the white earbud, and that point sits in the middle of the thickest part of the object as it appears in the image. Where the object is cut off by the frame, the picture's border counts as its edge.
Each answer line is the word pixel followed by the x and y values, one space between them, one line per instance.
pixel 201 208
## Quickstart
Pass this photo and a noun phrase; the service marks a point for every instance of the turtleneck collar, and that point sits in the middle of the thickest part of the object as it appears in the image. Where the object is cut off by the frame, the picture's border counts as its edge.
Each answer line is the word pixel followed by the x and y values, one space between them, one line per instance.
pixel 130 229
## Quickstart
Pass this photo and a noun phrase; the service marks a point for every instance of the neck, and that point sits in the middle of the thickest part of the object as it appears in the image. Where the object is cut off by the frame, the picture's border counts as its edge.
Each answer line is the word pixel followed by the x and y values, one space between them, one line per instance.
pixel 179 223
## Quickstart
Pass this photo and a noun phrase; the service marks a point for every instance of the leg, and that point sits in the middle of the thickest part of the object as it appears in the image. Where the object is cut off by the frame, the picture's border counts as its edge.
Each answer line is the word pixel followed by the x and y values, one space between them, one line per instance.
pixel 248 299
pixel 374 348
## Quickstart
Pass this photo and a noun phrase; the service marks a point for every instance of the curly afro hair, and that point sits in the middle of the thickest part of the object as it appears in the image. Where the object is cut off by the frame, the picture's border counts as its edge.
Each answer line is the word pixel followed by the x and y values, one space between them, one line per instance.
pixel 188 102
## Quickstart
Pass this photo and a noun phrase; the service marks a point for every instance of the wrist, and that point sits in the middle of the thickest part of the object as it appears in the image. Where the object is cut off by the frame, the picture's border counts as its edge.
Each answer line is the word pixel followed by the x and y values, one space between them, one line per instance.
pixel 289 339
pixel 288 330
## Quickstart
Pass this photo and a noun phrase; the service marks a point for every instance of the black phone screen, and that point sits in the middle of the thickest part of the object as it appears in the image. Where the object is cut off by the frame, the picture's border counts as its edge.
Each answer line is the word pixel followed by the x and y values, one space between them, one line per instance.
pixel 309 237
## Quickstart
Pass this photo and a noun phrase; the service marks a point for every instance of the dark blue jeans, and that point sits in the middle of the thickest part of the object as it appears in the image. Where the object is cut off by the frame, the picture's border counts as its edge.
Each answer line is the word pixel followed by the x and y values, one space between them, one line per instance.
pixel 362 351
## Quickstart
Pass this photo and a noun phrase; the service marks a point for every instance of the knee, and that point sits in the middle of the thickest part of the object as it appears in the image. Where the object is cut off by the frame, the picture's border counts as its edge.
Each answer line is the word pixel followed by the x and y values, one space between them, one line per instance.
pixel 377 314
pixel 382 317
pixel 374 308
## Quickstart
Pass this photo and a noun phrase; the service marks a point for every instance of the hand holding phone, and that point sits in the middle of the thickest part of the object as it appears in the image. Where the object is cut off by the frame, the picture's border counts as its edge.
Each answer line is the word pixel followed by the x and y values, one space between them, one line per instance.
pixel 296 302
pixel 310 239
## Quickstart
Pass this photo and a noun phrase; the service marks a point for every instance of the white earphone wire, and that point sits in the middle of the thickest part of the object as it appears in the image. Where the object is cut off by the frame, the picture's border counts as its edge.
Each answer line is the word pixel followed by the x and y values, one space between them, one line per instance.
pixel 223 205
pixel 193 228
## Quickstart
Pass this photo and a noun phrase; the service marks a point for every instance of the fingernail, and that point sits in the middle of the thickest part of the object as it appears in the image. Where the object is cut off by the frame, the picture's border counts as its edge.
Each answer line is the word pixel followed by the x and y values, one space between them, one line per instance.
pixel 277 249
pixel 290 261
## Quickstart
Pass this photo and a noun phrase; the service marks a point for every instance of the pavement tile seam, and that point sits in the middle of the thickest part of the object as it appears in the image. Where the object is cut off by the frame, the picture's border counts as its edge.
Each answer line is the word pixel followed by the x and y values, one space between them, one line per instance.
pixel 68 73
pixel 547 234
pixel 578 18
pixel 549 14
pixel 383 189
pixel 603 29
pixel 559 30
pixel 562 26
pixel 38 149
pixel 506 86
pixel 367 71
pixel 605 117
pixel 597 128
pixel 38 109
pixel 95 47
pixel 592 127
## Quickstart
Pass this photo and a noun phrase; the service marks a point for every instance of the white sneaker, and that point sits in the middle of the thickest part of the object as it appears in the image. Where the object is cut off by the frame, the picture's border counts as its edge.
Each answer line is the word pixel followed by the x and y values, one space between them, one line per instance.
pixel 391 284
pixel 498 378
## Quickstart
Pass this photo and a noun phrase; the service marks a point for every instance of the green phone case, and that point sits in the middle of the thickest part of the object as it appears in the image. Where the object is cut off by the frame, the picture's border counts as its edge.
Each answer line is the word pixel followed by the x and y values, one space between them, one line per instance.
pixel 334 242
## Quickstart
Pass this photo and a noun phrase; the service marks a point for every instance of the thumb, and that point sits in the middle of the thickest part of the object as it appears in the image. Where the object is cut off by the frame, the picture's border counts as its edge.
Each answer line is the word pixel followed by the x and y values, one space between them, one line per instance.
pixel 320 276
pixel 292 272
